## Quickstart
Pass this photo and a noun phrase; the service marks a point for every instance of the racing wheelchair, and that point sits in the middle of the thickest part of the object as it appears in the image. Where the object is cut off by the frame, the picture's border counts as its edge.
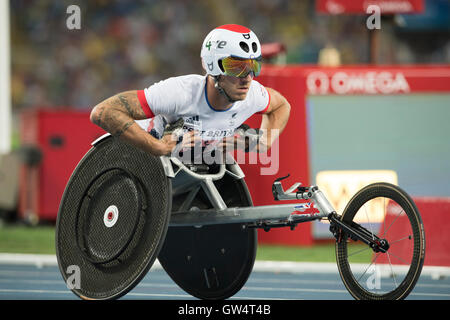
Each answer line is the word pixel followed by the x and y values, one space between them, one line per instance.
pixel 123 208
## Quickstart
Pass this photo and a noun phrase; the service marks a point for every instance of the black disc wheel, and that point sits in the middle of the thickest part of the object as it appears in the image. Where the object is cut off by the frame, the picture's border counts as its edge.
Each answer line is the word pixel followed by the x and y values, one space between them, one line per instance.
pixel 211 262
pixel 112 220
pixel 391 218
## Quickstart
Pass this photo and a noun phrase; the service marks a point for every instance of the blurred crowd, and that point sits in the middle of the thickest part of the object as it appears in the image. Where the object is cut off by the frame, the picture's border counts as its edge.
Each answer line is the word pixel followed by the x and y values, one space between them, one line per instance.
pixel 125 45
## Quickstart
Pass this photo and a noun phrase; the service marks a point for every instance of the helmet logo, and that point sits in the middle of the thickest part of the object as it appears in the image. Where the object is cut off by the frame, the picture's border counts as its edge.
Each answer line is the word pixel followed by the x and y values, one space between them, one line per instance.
pixel 221 44
pixel 246 36
pixel 210 66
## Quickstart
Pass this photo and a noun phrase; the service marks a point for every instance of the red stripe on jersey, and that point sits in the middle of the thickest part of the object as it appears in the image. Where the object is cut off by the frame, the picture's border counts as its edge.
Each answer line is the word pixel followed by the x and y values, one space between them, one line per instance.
pixel 144 104
pixel 151 125
pixel 235 28
pixel 268 104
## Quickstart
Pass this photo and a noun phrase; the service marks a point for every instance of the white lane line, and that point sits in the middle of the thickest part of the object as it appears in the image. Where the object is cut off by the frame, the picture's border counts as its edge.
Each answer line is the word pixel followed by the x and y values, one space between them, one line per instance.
pixel 332 282
pixel 31 274
pixel 189 296
pixel 32 281
pixel 331 291
pixel 34 291
pixel 250 288
pixel 136 294
pixel 430 294
pixel 69 292
pixel 294 290
pixel 287 267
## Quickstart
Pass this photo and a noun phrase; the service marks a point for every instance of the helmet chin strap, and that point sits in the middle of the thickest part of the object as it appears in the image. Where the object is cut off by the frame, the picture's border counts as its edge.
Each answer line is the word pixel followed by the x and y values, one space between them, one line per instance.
pixel 221 90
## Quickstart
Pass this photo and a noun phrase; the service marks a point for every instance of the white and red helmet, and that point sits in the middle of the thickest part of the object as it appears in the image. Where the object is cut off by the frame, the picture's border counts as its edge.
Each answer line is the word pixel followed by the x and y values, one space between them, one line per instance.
pixel 230 40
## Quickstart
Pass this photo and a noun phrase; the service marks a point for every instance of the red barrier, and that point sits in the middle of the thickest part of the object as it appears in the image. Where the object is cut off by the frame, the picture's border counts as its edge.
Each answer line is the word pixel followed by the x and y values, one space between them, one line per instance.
pixel 435 214
pixel 293 155
pixel 63 137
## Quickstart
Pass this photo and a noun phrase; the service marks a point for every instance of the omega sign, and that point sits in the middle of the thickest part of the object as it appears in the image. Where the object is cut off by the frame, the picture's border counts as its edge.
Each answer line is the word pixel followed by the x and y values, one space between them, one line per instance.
pixel 370 82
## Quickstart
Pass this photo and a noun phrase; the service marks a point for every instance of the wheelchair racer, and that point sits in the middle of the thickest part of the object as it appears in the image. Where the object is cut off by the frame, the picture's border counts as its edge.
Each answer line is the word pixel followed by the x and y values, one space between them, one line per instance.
pixel 212 107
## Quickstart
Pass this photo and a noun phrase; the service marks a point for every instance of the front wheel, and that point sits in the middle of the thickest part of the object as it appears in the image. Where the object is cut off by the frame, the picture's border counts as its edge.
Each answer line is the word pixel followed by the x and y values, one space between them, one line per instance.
pixel 387 212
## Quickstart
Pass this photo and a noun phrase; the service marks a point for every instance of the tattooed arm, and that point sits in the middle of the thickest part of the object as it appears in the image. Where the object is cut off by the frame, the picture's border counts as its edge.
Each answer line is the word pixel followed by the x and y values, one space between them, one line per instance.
pixel 117 114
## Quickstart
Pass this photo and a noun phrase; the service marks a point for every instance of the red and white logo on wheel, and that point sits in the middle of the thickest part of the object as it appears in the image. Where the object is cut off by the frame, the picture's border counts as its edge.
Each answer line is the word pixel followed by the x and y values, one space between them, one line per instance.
pixel 110 217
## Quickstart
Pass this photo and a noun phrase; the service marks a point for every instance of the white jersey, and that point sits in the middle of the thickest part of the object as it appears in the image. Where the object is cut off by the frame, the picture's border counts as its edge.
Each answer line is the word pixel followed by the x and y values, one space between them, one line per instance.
pixel 186 97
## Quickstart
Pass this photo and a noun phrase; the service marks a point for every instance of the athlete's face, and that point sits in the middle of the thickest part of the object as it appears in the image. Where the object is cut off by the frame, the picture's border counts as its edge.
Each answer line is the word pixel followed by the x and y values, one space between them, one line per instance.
pixel 236 88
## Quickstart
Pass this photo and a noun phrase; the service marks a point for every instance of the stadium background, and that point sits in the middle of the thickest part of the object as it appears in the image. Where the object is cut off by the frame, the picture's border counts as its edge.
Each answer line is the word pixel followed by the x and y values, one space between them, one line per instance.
pixel 58 74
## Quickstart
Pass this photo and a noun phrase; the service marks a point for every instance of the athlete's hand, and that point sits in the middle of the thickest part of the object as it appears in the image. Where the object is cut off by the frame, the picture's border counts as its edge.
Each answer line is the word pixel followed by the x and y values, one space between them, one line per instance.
pixel 172 142
pixel 244 139
pixel 191 139
pixel 167 144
